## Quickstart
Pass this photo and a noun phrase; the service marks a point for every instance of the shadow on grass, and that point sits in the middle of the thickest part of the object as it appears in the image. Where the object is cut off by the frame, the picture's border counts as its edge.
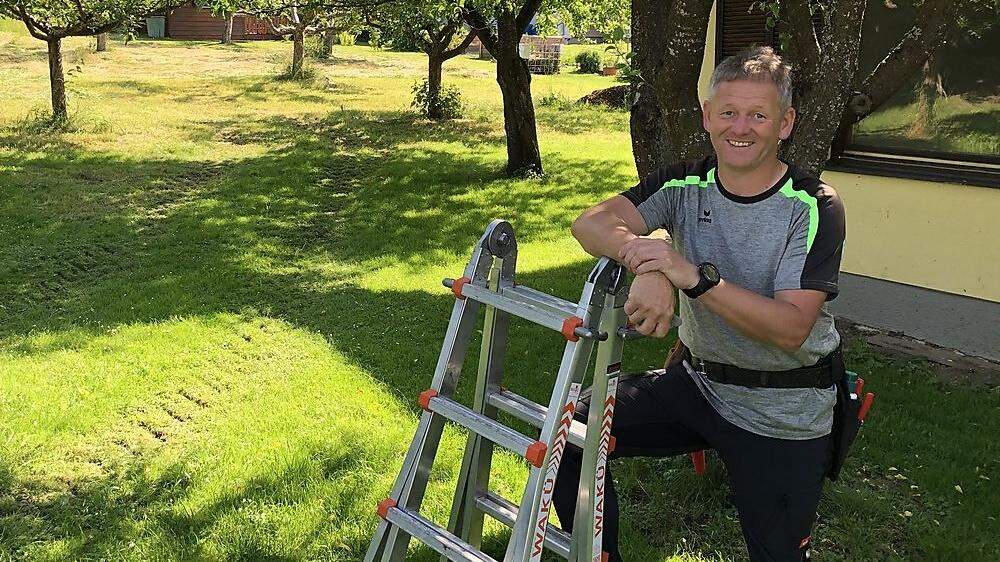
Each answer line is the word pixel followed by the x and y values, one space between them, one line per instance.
pixel 152 506
pixel 353 191
pixel 573 119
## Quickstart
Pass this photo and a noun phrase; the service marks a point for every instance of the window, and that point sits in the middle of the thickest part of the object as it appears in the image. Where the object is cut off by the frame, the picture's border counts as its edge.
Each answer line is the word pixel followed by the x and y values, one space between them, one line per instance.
pixel 943 124
pixel 948 113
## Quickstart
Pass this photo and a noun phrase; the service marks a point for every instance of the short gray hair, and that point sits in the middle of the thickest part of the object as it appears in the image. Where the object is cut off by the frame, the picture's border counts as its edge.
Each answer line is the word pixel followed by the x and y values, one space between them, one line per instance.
pixel 759 64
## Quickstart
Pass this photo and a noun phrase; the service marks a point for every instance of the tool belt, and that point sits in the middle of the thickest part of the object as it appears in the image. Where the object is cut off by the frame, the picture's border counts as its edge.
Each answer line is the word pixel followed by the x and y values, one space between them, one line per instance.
pixel 848 414
pixel 821 375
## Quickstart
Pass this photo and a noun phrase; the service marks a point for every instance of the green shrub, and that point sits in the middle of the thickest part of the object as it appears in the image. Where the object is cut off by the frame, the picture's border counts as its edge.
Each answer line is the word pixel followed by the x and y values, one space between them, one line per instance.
pixel 589 62
pixel 314 47
pixel 345 38
pixel 449 100
pixel 556 100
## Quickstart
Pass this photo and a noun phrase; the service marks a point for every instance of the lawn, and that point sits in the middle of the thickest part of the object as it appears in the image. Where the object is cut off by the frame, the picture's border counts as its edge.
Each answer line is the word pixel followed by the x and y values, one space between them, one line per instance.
pixel 221 293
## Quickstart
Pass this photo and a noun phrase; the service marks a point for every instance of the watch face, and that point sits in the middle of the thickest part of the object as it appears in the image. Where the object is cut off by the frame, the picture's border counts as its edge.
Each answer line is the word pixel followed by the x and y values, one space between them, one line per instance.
pixel 710 272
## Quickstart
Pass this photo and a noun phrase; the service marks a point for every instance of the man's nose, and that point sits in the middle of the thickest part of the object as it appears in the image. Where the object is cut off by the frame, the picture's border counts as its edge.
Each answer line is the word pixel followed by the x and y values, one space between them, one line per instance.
pixel 741 125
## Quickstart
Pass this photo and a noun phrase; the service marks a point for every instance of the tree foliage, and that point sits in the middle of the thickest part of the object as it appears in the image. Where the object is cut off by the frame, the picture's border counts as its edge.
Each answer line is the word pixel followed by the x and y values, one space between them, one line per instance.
pixel 432 26
pixel 57 19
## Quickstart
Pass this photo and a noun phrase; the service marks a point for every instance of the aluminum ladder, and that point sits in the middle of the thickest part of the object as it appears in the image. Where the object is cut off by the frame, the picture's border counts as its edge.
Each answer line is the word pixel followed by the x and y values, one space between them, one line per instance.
pixel 598 318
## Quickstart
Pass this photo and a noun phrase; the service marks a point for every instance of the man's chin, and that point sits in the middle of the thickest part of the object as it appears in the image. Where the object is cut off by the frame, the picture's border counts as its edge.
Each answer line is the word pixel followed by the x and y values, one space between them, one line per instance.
pixel 740 163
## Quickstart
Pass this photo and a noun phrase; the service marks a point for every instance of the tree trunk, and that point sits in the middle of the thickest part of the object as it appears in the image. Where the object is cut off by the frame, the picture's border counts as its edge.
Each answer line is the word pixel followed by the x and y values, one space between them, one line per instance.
pixel 434 63
pixel 523 156
pixel 102 42
pixel 669 43
pixel 821 109
pixel 57 83
pixel 645 118
pixel 298 52
pixel 227 32
pixel 927 93
pixel 329 37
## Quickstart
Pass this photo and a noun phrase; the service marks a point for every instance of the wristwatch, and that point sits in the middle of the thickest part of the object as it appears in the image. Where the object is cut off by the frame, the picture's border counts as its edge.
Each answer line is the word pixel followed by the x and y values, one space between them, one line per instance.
pixel 708 278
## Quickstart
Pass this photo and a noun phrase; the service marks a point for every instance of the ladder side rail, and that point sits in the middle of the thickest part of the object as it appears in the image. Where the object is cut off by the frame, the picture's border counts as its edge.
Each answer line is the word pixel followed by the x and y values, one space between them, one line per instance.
pixel 574 363
pixel 389 544
pixel 588 521
pixel 573 366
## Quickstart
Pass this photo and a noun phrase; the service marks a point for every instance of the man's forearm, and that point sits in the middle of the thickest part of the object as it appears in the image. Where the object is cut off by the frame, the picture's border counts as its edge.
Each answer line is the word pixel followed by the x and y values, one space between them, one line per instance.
pixel 760 318
pixel 602 234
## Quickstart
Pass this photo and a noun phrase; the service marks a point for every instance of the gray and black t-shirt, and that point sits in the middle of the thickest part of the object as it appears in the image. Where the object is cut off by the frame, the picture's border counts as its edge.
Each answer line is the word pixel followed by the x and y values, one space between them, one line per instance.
pixel 789 237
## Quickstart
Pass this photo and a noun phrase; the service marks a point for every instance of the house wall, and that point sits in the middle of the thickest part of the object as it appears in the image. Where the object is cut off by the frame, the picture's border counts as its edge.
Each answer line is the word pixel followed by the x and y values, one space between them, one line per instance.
pixel 190 22
pixel 934 235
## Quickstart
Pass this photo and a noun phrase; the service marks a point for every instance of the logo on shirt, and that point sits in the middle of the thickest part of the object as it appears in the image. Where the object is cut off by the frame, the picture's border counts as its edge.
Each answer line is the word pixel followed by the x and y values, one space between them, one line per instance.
pixel 706 217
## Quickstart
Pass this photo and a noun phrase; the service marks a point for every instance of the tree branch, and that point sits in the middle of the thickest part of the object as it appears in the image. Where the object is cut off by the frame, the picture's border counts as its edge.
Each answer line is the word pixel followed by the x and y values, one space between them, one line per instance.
pixel 452 53
pixel 371 22
pixel 443 34
pixel 528 11
pixel 34 29
pixel 481 28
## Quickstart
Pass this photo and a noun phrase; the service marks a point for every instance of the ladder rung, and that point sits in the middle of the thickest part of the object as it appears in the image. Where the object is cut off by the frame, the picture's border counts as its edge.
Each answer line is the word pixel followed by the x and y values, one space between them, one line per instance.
pixel 520 308
pixel 540 299
pixel 531 449
pixel 505 512
pixel 435 537
pixel 533 413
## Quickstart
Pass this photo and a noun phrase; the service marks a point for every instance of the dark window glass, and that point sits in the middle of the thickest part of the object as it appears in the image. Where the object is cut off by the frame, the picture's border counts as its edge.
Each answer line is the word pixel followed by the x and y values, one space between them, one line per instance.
pixel 950 108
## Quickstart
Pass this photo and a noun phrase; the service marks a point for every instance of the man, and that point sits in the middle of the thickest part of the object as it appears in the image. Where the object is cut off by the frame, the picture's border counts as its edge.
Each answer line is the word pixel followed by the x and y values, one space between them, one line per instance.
pixel 755 250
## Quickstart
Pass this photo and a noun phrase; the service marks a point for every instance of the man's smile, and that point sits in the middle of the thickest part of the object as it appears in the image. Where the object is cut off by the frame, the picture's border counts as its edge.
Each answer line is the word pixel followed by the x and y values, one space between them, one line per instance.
pixel 739 144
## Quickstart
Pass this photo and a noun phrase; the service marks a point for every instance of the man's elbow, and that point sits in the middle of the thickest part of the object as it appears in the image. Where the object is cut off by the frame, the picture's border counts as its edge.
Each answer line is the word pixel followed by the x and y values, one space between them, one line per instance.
pixel 792 340
pixel 581 226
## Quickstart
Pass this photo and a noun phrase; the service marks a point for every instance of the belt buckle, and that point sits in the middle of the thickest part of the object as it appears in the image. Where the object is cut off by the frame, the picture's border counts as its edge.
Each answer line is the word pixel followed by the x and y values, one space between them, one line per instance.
pixel 699 366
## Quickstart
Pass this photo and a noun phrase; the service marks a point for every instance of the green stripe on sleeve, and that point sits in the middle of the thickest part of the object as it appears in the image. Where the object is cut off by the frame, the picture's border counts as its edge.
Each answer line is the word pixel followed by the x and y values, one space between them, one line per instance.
pixel 810 202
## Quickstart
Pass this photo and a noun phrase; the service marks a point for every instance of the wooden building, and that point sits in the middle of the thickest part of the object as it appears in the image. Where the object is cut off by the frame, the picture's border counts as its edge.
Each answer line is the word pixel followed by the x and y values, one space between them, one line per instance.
pixel 191 22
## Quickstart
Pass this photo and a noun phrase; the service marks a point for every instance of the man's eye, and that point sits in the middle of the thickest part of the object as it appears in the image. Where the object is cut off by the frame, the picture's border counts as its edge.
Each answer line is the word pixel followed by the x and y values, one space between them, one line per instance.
pixel 727 113
pixel 760 116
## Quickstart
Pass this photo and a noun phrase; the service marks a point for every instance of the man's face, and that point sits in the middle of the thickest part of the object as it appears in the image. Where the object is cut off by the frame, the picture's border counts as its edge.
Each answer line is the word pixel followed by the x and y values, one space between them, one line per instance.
pixel 745 122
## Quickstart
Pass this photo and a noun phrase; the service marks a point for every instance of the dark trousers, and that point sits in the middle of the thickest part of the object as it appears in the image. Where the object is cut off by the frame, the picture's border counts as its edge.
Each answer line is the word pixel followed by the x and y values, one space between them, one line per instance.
pixel 776 483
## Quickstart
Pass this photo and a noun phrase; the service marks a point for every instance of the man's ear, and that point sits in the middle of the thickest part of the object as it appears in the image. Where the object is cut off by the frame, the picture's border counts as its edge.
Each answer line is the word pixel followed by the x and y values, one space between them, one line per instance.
pixel 705 112
pixel 787 124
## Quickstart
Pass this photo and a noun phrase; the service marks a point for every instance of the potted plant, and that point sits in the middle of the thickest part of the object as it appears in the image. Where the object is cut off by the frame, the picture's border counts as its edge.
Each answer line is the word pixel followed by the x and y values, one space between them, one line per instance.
pixel 609 67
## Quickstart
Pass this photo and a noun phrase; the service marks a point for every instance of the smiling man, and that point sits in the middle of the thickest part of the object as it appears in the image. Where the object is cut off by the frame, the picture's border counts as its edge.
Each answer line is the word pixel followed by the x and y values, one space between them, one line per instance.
pixel 755 249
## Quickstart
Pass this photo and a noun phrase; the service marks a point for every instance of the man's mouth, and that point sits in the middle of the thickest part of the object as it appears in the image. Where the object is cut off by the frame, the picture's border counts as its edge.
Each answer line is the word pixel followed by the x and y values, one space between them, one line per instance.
pixel 739 144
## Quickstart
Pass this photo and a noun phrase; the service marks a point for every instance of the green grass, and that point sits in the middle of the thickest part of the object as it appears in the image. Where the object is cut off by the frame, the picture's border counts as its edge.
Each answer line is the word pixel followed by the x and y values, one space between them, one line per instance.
pixel 220 294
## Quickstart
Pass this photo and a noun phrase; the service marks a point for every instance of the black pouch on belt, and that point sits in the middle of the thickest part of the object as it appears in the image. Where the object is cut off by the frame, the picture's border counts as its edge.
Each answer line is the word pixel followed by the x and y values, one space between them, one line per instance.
pixel 845 416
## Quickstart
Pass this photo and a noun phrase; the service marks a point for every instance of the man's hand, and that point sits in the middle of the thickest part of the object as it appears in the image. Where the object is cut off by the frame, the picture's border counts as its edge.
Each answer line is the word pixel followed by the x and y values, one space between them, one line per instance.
pixel 650 304
pixel 644 255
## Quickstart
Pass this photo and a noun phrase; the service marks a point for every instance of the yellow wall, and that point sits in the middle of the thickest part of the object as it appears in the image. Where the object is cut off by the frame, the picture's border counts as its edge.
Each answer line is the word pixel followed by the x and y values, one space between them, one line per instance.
pixel 708 63
pixel 936 235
